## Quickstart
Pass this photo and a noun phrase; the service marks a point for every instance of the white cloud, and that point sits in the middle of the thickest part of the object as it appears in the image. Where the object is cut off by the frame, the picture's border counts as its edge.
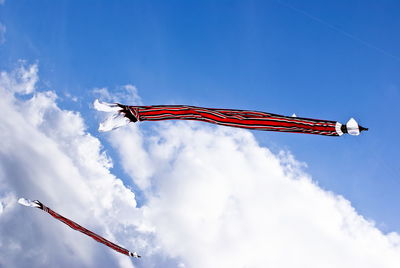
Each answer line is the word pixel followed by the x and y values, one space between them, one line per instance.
pixel 46 154
pixel 71 97
pixel 218 199
pixel 214 197
pixel 22 80
pixel 126 94
pixel 129 142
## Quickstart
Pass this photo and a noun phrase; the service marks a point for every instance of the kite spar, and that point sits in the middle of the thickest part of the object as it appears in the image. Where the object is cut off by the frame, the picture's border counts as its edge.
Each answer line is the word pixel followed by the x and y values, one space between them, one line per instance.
pixel 124 114
pixel 77 227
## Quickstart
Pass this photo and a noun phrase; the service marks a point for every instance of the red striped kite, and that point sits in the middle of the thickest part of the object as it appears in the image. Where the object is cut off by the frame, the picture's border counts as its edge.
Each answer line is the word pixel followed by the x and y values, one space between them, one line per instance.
pixel 77 227
pixel 123 114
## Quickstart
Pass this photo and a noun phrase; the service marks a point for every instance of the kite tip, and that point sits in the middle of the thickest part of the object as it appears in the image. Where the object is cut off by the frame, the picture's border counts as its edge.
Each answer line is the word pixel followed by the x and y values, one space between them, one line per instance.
pixel 352 127
pixel 134 254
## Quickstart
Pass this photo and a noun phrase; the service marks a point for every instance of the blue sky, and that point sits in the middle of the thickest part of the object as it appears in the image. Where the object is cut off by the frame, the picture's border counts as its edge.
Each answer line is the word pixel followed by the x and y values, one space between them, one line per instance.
pixel 323 59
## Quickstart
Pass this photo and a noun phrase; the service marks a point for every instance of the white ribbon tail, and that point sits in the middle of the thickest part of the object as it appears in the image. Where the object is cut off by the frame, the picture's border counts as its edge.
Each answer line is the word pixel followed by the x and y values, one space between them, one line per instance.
pixel 28 203
pixel 115 120
pixel 105 106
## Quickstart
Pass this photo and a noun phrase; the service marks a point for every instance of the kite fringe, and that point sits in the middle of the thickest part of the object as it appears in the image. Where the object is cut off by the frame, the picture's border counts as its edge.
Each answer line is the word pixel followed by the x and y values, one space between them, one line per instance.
pixel 28 203
pixel 115 120
pixel 338 128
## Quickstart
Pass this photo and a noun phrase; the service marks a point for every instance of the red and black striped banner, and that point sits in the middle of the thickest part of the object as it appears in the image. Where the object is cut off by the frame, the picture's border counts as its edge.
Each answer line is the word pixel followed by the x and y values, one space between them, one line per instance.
pixel 77 227
pixel 123 114
pixel 233 118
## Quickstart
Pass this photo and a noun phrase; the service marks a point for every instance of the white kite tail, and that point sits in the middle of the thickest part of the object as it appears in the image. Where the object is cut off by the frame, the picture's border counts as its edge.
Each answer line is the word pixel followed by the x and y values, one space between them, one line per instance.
pixel 116 118
pixel 29 203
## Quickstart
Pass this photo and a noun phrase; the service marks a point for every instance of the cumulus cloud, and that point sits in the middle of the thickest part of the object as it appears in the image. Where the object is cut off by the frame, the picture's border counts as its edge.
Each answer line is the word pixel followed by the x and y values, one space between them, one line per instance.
pixel 216 198
pixel 126 94
pixel 22 80
pixel 47 154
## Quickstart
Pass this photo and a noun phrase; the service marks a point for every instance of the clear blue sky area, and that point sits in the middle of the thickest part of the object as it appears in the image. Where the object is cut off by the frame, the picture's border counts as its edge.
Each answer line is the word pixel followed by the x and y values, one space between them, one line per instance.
pixel 322 59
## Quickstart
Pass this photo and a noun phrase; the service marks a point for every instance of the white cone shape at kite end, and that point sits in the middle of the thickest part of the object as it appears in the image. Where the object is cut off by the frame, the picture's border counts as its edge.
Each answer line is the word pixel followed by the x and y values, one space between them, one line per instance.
pixel 134 254
pixel 27 203
pixel 114 121
pixel 294 115
pixel 352 127
pixel 105 107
